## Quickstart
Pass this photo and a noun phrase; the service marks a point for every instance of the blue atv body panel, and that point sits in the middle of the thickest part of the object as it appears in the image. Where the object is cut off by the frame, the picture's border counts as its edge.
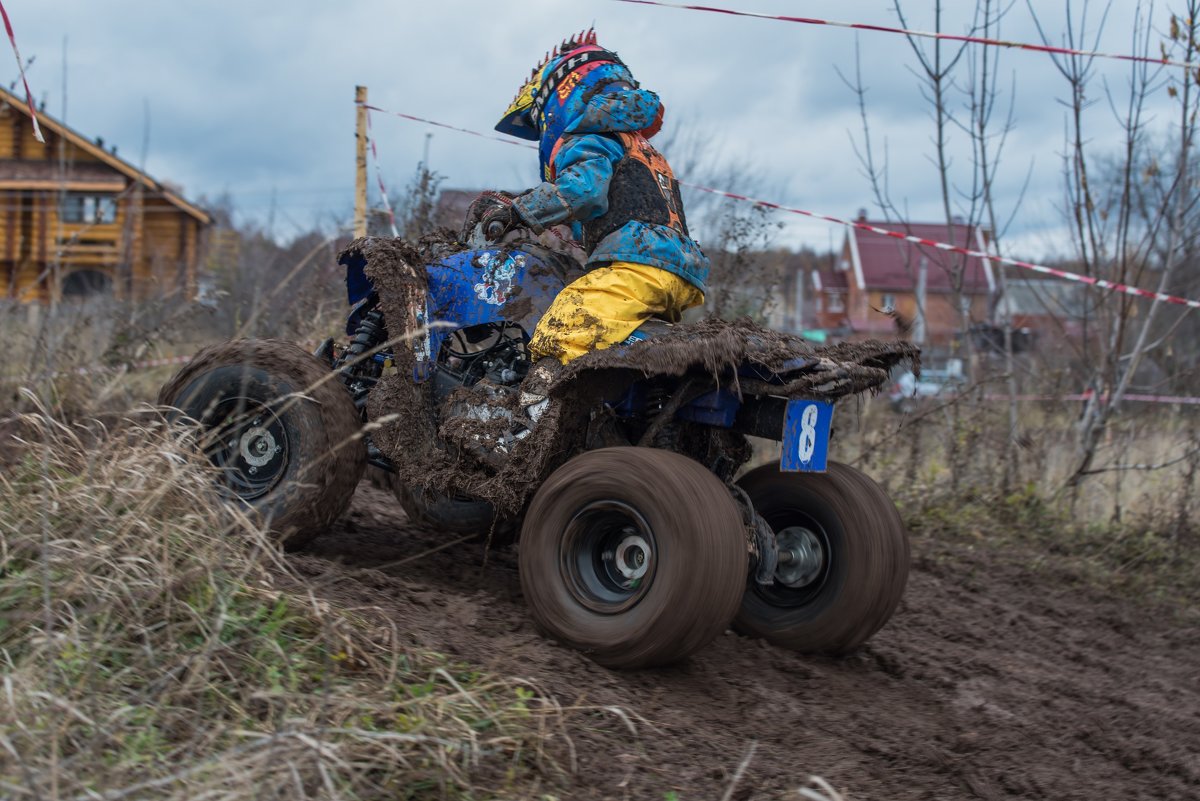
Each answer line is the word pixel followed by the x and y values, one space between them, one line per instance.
pixel 469 288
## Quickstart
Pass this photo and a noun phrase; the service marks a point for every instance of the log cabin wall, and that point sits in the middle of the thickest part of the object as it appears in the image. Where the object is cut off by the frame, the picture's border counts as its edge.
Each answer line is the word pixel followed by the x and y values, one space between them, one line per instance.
pixel 75 219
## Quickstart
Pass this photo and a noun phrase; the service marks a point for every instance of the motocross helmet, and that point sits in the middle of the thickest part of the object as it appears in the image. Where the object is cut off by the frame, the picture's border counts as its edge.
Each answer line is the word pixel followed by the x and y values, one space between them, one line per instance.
pixel 564 75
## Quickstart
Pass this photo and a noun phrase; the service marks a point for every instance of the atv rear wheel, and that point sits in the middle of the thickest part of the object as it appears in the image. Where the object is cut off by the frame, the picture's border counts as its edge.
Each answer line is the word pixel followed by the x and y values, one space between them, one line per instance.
pixel 844 559
pixel 635 556
pixel 283 439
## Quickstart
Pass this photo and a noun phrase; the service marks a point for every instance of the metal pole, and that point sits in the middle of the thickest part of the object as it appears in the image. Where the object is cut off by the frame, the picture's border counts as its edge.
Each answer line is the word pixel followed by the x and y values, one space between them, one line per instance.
pixel 360 162
pixel 798 299
pixel 919 330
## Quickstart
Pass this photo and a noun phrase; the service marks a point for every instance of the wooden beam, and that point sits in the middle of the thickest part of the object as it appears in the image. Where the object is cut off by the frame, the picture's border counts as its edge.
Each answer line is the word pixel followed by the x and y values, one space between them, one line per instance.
pixel 53 186
pixel 360 162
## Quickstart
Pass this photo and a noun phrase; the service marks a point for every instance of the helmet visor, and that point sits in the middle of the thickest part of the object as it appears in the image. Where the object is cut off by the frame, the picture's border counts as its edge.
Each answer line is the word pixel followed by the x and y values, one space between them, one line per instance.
pixel 518 119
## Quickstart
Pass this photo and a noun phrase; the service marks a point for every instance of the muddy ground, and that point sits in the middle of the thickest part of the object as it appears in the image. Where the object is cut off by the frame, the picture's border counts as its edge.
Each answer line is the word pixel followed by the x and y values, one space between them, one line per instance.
pixel 1001 676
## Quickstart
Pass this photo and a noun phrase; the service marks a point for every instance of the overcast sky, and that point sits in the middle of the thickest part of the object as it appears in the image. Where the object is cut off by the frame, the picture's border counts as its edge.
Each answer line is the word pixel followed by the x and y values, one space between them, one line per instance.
pixel 250 98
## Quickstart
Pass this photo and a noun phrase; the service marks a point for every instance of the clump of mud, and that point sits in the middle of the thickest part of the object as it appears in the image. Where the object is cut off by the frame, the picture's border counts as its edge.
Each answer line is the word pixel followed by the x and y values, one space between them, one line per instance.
pixel 410 430
pixel 716 348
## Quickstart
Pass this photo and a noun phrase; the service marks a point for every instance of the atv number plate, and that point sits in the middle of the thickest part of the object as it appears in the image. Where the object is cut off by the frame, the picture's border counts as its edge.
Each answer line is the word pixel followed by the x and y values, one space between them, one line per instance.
pixel 806 436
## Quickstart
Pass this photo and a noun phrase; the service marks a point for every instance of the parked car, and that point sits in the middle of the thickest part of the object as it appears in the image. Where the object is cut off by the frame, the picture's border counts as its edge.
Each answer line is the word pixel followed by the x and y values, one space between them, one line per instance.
pixel 908 392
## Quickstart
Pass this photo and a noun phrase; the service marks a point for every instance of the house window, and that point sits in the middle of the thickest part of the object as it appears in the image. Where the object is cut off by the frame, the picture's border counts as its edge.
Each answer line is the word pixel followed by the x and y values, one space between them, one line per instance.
pixel 90 209
pixel 836 304
pixel 82 283
pixel 889 302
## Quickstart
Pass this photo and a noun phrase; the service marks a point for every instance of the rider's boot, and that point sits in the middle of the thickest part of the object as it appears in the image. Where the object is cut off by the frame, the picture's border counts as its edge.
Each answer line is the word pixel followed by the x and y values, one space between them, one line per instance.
pixel 533 403
pixel 535 389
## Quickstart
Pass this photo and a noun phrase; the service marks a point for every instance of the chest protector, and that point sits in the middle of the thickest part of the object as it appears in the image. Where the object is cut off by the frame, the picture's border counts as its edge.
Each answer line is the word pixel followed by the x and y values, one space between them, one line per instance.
pixel 643 189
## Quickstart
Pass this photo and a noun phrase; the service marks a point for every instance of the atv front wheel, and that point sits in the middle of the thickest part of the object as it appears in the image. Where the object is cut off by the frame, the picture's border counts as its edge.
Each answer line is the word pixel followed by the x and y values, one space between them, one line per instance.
pixel 460 514
pixel 843 559
pixel 280 430
pixel 635 556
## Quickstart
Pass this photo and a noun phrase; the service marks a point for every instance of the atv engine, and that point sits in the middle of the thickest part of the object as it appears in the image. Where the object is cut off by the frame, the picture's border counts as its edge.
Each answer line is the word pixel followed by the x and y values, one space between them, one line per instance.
pixel 498 352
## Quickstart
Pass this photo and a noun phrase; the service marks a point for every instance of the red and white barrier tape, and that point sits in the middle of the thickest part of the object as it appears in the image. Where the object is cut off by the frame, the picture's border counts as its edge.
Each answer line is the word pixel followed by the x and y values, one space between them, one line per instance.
pixel 387 205
pixel 1184 400
pixel 146 364
pixel 37 131
pixel 862 26
pixel 493 137
pixel 979 254
pixel 1063 274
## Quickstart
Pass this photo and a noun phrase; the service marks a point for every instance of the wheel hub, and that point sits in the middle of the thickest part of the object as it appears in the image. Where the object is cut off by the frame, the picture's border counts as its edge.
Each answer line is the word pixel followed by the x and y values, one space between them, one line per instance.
pixel 250 446
pixel 608 556
pixel 257 447
pixel 632 556
pixel 801 557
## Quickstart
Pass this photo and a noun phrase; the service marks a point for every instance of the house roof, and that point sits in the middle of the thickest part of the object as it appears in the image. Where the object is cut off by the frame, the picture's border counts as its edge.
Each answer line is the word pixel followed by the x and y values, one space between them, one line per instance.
pixel 104 156
pixel 451 207
pixel 828 279
pixel 883 263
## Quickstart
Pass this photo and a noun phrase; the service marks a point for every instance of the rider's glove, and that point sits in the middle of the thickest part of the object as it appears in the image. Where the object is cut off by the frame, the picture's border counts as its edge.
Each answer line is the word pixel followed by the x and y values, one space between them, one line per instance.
pixel 493 210
pixel 499 221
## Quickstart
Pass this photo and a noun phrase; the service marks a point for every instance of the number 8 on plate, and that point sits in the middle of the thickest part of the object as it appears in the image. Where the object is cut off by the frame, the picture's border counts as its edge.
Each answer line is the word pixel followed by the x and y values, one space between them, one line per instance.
pixel 806 436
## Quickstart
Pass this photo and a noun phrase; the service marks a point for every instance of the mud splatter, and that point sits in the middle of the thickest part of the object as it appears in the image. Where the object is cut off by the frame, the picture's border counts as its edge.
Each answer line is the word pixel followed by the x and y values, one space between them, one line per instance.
pixel 711 349
pixel 717 347
pixel 517 308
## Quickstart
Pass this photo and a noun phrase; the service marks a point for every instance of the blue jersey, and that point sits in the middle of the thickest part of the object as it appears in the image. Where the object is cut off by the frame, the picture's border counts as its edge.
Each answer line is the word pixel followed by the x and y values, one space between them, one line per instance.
pixel 581 165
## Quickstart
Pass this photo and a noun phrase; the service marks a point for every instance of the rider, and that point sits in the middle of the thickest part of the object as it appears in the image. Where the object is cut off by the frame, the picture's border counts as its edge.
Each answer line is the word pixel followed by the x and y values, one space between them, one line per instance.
pixel 601 176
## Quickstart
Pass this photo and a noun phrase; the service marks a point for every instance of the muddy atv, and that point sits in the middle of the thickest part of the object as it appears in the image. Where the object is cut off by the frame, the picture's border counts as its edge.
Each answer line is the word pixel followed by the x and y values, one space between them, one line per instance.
pixel 640 536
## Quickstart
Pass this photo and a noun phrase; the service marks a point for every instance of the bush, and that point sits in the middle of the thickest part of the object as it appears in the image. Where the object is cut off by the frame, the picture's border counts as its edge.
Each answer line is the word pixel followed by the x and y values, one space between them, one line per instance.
pixel 153 644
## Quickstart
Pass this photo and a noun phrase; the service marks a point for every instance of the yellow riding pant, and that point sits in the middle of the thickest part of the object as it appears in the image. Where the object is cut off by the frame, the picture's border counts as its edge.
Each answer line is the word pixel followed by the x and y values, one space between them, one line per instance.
pixel 606 305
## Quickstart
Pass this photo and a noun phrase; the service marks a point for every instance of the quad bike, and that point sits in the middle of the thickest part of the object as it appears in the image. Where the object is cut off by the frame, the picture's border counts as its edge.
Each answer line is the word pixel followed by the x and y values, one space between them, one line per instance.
pixel 639 538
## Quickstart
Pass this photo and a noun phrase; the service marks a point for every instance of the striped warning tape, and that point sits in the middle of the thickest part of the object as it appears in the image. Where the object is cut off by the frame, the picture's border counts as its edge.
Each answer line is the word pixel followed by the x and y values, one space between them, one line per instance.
pixel 1100 283
pixel 147 364
pixel 411 118
pixel 37 131
pixel 1083 396
pixel 862 26
pixel 387 205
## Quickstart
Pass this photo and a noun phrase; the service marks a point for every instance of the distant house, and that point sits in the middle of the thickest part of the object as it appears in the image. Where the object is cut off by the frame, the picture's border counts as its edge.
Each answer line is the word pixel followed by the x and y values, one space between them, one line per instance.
pixel 451 207
pixel 880 285
pixel 78 220
pixel 1044 303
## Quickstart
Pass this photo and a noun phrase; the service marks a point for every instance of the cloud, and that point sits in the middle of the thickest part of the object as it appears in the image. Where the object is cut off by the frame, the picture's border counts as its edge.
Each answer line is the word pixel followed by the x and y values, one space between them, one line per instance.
pixel 247 98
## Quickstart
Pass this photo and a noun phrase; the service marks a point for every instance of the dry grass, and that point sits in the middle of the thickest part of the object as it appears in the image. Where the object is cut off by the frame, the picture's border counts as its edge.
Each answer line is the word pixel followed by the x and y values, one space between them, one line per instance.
pixel 1132 531
pixel 154 645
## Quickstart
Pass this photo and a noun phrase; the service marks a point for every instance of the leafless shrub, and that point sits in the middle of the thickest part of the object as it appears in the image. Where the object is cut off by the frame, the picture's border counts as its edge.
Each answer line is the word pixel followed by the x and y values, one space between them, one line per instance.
pixel 1132 522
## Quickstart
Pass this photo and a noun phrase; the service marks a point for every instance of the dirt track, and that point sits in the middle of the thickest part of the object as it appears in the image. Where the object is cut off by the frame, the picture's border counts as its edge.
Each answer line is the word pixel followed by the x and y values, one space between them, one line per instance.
pixel 992 681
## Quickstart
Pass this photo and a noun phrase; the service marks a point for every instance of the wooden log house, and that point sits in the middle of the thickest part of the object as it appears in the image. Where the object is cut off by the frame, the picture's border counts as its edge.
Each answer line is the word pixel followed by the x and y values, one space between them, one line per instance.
pixel 76 220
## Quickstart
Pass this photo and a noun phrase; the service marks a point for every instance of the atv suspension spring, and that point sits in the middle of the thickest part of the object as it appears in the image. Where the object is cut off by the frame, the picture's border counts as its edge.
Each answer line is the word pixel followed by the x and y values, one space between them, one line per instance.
pixel 371 332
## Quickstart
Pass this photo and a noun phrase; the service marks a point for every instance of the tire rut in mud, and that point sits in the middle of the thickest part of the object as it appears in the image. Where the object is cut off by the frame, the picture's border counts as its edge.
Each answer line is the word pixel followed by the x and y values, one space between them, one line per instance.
pixel 991 680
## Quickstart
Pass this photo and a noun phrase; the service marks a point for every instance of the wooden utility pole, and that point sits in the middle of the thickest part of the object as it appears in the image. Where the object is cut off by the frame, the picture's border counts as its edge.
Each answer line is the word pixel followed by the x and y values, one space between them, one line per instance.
pixel 360 162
